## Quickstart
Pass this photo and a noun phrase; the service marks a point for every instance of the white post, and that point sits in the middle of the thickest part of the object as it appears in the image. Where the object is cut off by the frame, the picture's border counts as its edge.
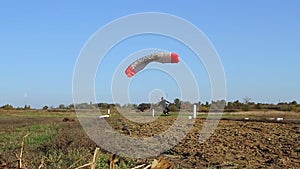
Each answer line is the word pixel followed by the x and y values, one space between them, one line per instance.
pixel 108 111
pixel 152 112
pixel 195 111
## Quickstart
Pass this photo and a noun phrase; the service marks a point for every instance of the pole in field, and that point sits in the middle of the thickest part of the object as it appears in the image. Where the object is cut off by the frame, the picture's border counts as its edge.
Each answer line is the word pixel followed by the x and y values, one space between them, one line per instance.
pixel 153 112
pixel 195 111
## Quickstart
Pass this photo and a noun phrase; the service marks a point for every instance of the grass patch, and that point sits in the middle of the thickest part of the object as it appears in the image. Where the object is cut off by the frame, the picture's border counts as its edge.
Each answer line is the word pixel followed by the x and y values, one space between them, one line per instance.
pixel 35 113
pixel 103 161
pixel 39 134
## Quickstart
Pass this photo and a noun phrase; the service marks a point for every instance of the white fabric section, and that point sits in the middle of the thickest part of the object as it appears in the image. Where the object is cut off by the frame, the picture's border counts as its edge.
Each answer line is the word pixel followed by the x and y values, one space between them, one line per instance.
pixel 162 57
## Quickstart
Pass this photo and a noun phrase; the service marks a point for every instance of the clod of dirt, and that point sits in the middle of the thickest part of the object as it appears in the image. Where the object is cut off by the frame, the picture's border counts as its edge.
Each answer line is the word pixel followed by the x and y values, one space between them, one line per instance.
pixel 68 120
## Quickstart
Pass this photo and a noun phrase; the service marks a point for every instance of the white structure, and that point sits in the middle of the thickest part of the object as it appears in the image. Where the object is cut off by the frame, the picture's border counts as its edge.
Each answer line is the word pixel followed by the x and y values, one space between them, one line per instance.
pixel 107 115
pixel 195 111
pixel 103 116
pixel 153 112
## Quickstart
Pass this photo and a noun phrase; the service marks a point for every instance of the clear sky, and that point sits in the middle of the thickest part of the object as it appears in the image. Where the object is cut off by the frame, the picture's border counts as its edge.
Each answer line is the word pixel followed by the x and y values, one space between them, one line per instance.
pixel 258 43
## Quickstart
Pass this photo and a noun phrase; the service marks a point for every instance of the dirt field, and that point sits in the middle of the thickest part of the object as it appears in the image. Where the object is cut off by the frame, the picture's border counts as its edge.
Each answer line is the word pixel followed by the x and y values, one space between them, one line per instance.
pixel 242 144
pixel 258 142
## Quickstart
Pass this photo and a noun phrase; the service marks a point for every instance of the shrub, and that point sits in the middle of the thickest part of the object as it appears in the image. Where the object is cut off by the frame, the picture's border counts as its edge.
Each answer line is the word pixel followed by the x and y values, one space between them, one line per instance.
pixel 7 107
pixel 173 108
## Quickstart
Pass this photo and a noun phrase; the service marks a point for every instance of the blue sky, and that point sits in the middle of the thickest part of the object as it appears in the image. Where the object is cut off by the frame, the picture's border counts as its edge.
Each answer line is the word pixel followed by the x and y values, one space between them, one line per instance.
pixel 257 41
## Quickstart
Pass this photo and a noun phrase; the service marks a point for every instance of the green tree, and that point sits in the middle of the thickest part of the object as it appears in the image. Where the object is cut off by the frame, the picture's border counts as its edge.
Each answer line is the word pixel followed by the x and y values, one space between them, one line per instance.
pixel 230 105
pixel 7 107
pixel 71 106
pixel 61 106
pixel 177 103
pixel 294 102
pixel 259 106
pixel 103 105
pixel 218 105
pixel 27 107
pixel 246 106
pixel 83 106
pixel 246 100
pixel 144 106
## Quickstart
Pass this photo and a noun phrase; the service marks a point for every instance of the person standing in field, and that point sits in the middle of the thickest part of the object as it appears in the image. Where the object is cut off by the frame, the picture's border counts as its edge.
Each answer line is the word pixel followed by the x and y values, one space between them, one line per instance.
pixel 164 104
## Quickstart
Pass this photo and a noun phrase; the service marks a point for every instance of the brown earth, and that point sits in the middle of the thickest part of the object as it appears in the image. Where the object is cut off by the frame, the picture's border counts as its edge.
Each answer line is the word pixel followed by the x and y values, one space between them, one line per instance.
pixel 236 143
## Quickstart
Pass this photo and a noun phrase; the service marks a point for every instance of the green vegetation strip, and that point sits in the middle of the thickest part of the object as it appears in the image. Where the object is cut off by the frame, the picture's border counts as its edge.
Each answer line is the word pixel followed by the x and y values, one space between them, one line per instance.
pixel 38 134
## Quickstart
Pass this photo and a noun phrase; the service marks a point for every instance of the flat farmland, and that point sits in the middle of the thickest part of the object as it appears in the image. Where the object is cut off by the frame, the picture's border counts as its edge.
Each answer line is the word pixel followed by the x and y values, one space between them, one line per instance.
pixel 241 140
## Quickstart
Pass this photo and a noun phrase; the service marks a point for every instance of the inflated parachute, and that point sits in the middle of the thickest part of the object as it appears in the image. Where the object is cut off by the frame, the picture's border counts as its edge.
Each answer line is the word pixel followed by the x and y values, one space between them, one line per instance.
pixel 140 64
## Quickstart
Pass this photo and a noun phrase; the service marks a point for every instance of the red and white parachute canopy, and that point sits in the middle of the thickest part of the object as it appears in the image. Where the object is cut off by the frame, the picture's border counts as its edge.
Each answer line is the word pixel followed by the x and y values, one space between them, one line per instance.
pixel 140 64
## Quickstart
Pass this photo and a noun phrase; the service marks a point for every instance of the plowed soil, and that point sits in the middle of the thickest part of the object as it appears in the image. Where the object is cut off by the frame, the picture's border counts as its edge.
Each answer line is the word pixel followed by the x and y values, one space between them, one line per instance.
pixel 236 142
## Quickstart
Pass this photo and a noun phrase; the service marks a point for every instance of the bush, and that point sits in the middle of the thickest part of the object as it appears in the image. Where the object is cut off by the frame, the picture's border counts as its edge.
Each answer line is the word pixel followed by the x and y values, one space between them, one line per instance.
pixel 285 108
pixel 204 109
pixel 7 107
pixel 173 108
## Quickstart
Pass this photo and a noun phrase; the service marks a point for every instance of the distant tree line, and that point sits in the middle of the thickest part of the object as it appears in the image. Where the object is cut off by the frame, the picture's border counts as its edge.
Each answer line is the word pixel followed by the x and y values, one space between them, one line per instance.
pixel 10 107
pixel 176 105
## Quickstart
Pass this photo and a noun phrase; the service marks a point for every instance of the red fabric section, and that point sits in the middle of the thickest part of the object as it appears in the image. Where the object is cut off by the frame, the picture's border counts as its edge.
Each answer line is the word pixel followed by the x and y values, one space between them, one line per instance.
pixel 130 72
pixel 175 58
